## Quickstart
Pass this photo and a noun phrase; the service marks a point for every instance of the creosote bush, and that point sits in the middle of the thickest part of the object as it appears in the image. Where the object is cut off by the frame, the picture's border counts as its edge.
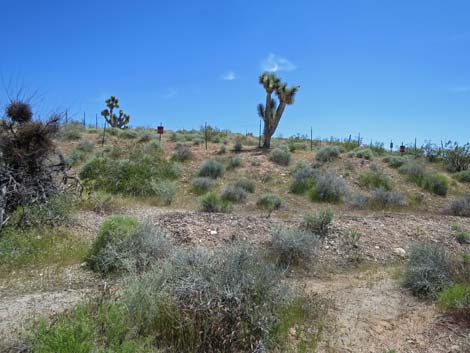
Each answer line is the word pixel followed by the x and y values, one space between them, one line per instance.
pixel 463 176
pixel 328 187
pixel 328 154
pixel 436 183
pixel 318 223
pixel 246 184
pixel 460 206
pixel 71 131
pixel 234 193
pixel 212 169
pixel 362 152
pixel 456 300
pixel 374 179
pixel 234 162
pixel 428 271
pixel 382 198
pixel 413 170
pixel 303 175
pixel 201 185
pixel 213 203
pixel 395 161
pixel 462 236
pixel 182 153
pixel 269 202
pixel 280 156
pixel 292 247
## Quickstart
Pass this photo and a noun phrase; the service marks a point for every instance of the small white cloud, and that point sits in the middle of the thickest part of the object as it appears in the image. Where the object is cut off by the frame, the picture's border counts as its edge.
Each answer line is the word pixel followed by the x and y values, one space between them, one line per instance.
pixel 275 63
pixel 169 93
pixel 461 89
pixel 228 76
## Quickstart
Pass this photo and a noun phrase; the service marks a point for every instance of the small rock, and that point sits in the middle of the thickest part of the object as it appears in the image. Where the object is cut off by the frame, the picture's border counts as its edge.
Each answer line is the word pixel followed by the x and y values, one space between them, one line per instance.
pixel 400 252
pixel 292 331
pixel 213 232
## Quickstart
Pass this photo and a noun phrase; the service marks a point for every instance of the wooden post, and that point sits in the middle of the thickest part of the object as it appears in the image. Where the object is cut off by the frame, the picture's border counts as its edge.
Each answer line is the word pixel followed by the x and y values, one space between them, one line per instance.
pixel 311 139
pixel 205 133
pixel 66 116
pixel 84 120
pixel 96 121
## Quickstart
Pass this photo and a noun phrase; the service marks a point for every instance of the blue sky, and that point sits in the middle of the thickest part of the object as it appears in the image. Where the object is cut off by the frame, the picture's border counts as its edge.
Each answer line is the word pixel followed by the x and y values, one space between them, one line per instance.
pixel 387 69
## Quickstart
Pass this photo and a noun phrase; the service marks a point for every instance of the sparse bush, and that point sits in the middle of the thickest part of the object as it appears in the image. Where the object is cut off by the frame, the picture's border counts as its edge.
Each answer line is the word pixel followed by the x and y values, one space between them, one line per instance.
pixel 212 203
pixel 234 194
pixel 211 168
pixel 222 149
pixel 86 146
pixel 238 147
pixel 280 156
pixel 71 131
pixel 319 222
pixel 293 246
pixel 463 176
pixel 382 198
pixel 144 138
pixel 414 170
pixel 297 146
pixel 375 179
pixel 460 206
pixel 113 232
pixel 358 200
pixel 328 188
pixel 202 185
pixel 428 270
pixel 436 183
pixel 182 153
pixel 457 157
pixel 246 184
pixel 269 202
pixel 303 175
pixel 75 157
pixel 328 154
pixel 234 162
pixel 128 134
pixel 164 190
pixel 395 161
pixel 462 236
pixel 456 300
pixel 362 152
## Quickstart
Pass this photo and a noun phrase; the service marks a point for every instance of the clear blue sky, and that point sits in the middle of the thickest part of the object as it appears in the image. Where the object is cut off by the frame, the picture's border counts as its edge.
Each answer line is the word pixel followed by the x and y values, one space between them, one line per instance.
pixel 387 69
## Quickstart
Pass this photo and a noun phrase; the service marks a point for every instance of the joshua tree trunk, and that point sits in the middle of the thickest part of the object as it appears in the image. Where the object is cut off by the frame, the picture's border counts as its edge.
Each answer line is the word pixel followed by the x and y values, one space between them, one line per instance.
pixel 267 135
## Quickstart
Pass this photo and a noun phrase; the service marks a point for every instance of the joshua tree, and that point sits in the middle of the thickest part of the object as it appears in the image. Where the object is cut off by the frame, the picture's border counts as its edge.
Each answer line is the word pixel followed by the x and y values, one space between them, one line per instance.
pixel 113 120
pixel 271 112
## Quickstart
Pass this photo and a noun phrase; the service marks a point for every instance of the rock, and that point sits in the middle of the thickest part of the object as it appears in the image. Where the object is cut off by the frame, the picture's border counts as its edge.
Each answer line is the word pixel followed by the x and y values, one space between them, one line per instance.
pixel 400 252
pixel 292 331
pixel 213 232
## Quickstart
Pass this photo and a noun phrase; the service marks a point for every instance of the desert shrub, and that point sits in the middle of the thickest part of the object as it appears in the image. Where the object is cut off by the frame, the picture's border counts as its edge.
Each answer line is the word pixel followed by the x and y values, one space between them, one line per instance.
pixel 269 202
pixel 463 176
pixel 375 179
pixel 362 152
pixel 303 175
pixel 456 300
pixel 382 198
pixel 293 246
pixel 222 149
pixel 460 206
pixel 164 190
pixel 358 200
pixel 414 170
pixel 152 148
pixel 145 137
pixel 428 270
pixel 237 147
pixel 75 157
pixel 328 154
pixel 234 162
pixel 328 188
pixel 71 131
pixel 212 202
pixel 246 184
pixel 128 134
pixel 201 185
pixel 456 157
pixel 113 232
pixel 86 146
pixel 395 161
pixel 140 174
pixel 280 156
pixel 182 153
pixel 234 194
pixel 212 169
pixel 436 183
pixel 297 146
pixel 318 223
pixel 462 236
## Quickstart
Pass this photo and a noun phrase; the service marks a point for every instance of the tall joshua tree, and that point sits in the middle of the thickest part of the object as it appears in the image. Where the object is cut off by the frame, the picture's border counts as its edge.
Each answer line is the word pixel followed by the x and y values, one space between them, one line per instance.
pixel 271 112
pixel 112 119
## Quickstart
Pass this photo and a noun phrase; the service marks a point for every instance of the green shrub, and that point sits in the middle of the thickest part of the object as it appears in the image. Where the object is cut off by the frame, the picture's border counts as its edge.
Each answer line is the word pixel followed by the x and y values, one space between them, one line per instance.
pixel 75 157
pixel 72 131
pixel 358 200
pixel 297 146
pixel 456 299
pixel 113 232
pixel 234 162
pixel 328 188
pixel 375 179
pixel 86 146
pixel 414 170
pixel 237 147
pixel 303 175
pixel 428 270
pixel 395 161
pixel 128 134
pixel 460 206
pixel 463 176
pixel 165 191
pixel 362 152
pixel 222 149
pixel 291 247
pixel 201 185
pixel 211 168
pixel 280 156
pixel 462 236
pixel 318 223
pixel 246 184
pixel 382 198
pixel 234 194
pixel 182 153
pixel 436 183
pixel 269 202
pixel 328 154
pixel 212 202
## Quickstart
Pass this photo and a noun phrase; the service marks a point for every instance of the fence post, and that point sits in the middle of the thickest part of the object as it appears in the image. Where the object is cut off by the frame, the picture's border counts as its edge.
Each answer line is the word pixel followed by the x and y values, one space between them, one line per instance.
pixel 205 133
pixel 311 139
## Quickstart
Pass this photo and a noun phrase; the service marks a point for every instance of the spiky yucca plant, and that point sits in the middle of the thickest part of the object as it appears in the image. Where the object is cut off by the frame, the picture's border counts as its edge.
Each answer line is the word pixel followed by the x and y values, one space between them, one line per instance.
pixel 272 111
pixel 112 119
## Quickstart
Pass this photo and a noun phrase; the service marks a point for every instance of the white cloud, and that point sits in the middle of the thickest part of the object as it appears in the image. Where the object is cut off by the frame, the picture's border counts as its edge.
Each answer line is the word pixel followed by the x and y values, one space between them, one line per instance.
pixel 228 76
pixel 169 93
pixel 275 63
